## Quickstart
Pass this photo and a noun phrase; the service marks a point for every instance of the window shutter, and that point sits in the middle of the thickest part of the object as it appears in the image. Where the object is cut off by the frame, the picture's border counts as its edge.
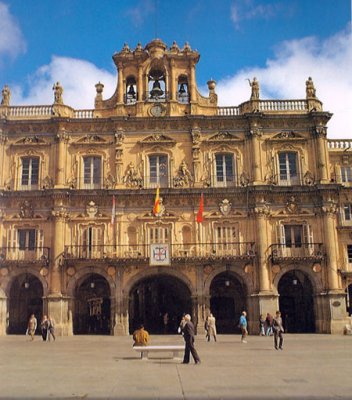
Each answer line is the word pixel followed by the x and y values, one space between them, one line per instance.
pixel 40 243
pixel 280 239
pixel 12 244
pixel 308 238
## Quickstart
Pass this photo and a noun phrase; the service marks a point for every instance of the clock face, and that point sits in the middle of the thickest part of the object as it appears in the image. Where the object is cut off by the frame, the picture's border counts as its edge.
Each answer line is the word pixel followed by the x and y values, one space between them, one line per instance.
pixel 157 110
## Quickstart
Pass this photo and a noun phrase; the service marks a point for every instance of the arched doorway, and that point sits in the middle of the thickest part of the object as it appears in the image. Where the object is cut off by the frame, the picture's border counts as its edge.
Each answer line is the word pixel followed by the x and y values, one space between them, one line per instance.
pixel 92 306
pixel 153 297
pixel 227 301
pixel 296 302
pixel 26 298
pixel 349 299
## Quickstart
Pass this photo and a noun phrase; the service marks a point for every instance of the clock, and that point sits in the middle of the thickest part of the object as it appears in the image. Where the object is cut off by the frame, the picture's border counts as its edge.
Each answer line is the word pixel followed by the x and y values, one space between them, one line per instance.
pixel 157 110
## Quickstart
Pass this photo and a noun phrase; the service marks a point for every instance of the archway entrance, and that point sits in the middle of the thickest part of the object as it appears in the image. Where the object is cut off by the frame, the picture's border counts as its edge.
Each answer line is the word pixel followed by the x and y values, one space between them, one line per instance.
pixel 227 301
pixel 296 302
pixel 152 298
pixel 26 298
pixel 92 306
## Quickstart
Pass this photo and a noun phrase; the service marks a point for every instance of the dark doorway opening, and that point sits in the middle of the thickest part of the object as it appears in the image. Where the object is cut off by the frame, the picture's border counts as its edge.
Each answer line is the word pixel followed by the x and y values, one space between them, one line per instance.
pixel 227 301
pixel 158 303
pixel 296 303
pixel 92 307
pixel 349 299
pixel 26 298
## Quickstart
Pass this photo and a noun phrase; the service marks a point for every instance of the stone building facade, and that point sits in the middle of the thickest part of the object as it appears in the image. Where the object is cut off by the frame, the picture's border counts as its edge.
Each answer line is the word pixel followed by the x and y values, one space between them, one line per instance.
pixel 78 236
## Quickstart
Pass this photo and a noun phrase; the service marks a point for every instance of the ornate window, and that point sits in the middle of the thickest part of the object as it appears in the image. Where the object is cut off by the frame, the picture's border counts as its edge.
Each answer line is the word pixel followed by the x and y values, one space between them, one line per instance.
pixel 349 253
pixel 29 173
pixel 25 244
pixel 295 240
pixel 158 171
pixel 159 234
pixel 226 240
pixel 347 213
pixel 346 174
pixel 92 177
pixel 224 170
pixel 288 168
pixel 92 240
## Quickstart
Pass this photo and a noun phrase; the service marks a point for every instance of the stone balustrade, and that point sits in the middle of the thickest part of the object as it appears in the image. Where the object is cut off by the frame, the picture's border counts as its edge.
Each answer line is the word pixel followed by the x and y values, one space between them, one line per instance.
pixel 228 111
pixel 29 111
pixel 283 105
pixel 339 144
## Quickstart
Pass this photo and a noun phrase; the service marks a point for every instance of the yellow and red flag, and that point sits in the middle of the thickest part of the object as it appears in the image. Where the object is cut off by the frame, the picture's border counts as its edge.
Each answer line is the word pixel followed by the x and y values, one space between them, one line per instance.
pixel 156 208
pixel 200 210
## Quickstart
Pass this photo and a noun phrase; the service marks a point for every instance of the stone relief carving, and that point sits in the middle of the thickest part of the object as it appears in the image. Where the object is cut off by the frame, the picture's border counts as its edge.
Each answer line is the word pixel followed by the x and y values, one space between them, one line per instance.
pixel 244 179
pixel 109 182
pixel 132 177
pixel 292 205
pixel 6 96
pixel 309 178
pixel 58 90
pixel 91 209
pixel 48 182
pixel 310 89
pixel 26 209
pixel 225 207
pixel 183 177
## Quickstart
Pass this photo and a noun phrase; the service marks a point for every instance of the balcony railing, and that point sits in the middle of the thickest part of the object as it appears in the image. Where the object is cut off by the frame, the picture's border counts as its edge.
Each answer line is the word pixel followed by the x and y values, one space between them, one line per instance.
pixel 297 252
pixel 25 255
pixel 237 250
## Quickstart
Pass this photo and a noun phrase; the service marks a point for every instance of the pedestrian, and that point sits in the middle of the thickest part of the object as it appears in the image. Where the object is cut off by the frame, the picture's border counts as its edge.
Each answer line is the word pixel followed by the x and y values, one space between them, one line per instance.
pixel 166 322
pixel 269 324
pixel 44 326
pixel 140 336
pixel 211 325
pixel 278 330
pixel 182 324
pixel 51 328
pixel 243 326
pixel 32 326
pixel 188 335
pixel 261 325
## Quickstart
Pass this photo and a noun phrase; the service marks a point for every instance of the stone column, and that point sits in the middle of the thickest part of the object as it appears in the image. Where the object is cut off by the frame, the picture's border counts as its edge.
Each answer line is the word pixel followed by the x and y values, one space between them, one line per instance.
pixel 255 133
pixel 262 212
pixel 120 84
pixel 62 138
pixel 173 82
pixel 121 308
pixel 320 135
pixel 140 84
pixel 3 313
pixel 329 220
pixel 192 82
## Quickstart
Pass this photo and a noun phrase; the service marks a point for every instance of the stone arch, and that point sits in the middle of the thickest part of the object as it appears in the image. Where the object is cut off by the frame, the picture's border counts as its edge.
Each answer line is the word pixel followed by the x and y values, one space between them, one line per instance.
pixel 158 299
pixel 9 280
pixel 80 275
pixel 297 300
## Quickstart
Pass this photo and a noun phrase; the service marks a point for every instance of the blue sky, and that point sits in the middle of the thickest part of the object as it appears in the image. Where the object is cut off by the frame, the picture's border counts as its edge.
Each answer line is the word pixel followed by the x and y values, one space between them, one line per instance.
pixel 281 42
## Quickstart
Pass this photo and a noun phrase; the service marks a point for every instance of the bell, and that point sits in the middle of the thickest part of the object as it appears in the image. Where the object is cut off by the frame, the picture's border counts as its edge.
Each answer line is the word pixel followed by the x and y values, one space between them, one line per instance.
pixel 182 90
pixel 131 91
pixel 156 90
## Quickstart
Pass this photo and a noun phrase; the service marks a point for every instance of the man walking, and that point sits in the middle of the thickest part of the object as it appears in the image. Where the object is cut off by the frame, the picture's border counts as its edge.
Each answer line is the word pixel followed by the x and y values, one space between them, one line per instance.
pixel 188 335
pixel 243 326
pixel 278 330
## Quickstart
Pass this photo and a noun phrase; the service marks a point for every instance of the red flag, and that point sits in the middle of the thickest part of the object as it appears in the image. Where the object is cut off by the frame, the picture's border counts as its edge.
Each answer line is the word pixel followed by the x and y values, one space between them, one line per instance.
pixel 113 210
pixel 156 208
pixel 201 209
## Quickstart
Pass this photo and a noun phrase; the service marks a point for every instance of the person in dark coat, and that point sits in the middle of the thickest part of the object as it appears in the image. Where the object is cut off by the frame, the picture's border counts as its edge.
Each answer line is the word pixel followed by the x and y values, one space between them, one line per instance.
pixel 278 330
pixel 188 335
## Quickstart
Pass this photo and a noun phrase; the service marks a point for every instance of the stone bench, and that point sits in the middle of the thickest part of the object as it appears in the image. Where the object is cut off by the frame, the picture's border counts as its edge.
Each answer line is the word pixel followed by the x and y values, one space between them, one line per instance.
pixel 174 349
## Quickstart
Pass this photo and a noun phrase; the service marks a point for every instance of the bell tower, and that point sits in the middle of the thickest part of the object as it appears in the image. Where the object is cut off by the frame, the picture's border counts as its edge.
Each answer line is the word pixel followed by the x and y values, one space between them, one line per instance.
pixel 156 81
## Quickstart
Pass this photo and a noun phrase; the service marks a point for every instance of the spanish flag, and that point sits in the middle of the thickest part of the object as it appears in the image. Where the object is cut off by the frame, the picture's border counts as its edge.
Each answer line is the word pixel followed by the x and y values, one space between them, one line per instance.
pixel 200 210
pixel 156 208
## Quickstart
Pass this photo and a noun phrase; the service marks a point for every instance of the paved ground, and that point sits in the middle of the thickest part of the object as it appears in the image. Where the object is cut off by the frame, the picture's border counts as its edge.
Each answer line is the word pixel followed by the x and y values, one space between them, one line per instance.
pixel 105 367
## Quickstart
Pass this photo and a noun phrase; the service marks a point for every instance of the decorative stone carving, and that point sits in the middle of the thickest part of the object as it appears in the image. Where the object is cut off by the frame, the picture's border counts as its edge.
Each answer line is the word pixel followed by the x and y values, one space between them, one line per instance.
pixel 330 208
pixel 60 213
pixel 309 178
pixel 225 207
pixel 320 131
pixel 58 90
pixel 195 133
pixel 48 182
pixel 254 84
pixel 132 177
pixel 109 182
pixel 244 179
pixel 26 210
pixel 291 205
pixel 262 209
pixel 119 137
pixel 91 209
pixel 6 96
pixel 310 89
pixel 183 177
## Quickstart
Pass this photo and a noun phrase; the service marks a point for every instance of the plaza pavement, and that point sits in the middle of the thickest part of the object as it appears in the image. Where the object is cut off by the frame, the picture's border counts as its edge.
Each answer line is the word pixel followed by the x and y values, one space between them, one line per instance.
pixel 106 367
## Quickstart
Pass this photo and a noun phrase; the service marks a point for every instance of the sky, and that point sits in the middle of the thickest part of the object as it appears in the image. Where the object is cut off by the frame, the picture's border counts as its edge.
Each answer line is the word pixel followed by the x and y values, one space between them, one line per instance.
pixel 280 42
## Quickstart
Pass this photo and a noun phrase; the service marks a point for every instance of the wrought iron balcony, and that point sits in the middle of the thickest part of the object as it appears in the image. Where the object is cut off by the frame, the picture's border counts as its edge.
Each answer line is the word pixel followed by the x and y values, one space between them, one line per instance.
pixel 301 252
pixel 178 252
pixel 20 255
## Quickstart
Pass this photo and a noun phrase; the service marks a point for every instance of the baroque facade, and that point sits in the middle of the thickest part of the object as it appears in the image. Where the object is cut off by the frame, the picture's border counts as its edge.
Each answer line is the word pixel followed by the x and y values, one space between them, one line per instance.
pixel 78 236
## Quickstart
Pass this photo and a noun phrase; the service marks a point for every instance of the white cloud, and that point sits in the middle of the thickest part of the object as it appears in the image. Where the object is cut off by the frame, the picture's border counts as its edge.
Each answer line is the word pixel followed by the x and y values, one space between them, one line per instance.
pixel 328 62
pixel 12 42
pixel 77 77
pixel 247 9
